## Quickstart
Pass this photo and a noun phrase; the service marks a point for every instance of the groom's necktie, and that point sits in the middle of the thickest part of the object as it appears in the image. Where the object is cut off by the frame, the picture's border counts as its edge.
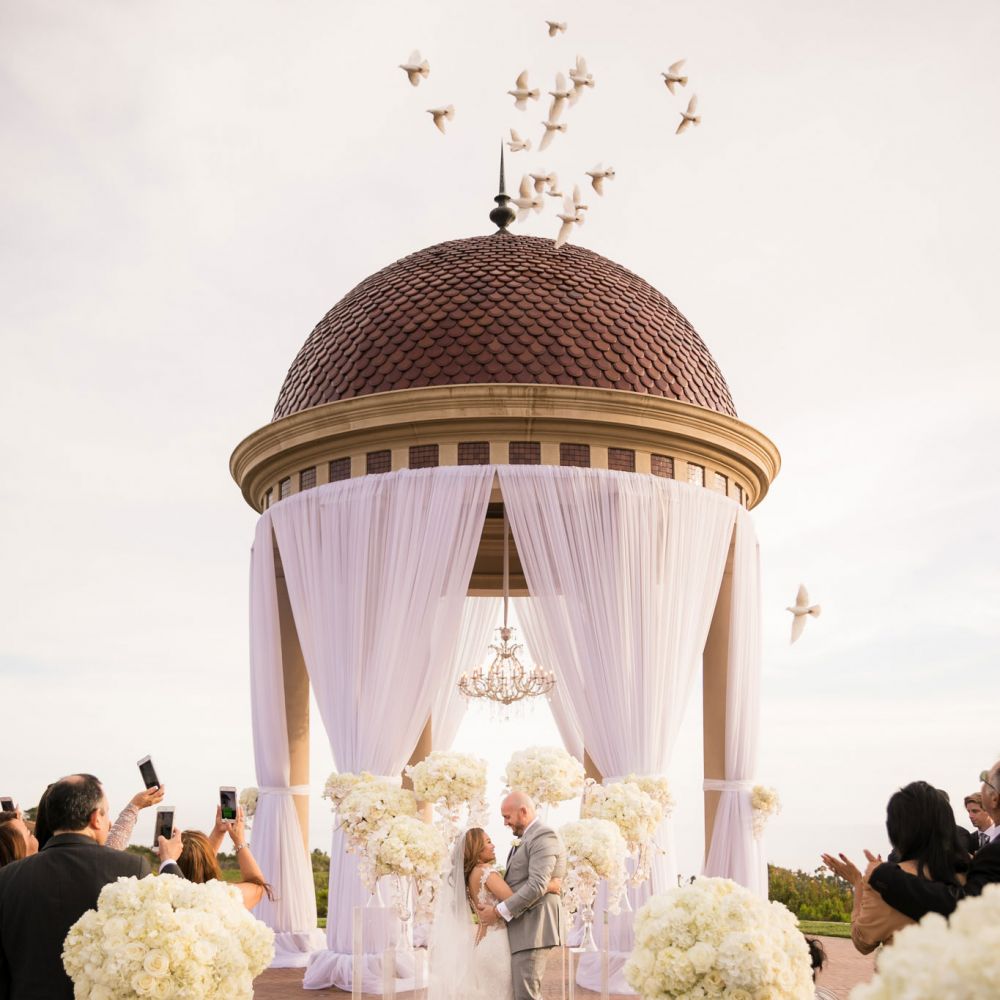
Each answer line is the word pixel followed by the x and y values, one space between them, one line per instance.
pixel 510 854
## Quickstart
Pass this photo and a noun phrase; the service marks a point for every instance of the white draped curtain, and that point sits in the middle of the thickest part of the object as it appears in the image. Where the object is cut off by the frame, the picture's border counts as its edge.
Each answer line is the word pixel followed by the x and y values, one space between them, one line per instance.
pixel 625 571
pixel 276 837
pixel 377 570
pixel 734 852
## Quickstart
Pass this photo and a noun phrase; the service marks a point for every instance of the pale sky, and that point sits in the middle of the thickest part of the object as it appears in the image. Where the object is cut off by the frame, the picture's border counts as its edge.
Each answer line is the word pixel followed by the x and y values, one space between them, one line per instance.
pixel 186 188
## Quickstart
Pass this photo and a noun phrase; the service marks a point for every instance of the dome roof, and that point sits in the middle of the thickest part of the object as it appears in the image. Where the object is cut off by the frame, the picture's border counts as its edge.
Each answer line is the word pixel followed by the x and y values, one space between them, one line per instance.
pixel 503 308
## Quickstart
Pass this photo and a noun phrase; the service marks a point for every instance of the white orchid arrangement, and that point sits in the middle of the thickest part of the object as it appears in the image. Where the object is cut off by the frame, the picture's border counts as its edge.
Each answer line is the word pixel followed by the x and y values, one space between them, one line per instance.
pixel 595 850
pixel 765 803
pixel 167 937
pixel 248 802
pixel 714 938
pixel 548 774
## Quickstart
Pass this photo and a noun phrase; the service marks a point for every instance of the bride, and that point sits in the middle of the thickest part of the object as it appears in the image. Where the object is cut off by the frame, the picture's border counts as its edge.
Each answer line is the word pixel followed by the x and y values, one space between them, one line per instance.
pixel 469 961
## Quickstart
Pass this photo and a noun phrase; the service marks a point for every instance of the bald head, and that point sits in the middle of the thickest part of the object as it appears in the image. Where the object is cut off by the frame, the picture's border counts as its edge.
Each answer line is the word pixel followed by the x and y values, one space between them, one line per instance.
pixel 991 793
pixel 518 812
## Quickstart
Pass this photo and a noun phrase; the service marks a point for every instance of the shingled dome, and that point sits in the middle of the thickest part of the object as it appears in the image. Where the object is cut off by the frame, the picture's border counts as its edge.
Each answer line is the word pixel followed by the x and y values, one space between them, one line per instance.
pixel 503 308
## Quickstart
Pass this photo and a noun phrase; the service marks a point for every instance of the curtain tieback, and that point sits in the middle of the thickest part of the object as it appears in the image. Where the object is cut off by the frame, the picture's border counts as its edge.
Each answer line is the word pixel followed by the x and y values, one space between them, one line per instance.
pixel 715 785
pixel 283 790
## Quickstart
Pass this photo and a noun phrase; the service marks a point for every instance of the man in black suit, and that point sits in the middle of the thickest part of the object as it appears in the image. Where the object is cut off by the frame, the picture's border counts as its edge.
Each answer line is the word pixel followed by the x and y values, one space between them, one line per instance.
pixel 42 896
pixel 916 896
pixel 983 829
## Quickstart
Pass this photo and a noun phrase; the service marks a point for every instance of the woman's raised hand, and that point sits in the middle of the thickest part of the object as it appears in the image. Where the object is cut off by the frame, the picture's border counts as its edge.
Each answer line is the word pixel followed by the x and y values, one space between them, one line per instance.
pixel 148 797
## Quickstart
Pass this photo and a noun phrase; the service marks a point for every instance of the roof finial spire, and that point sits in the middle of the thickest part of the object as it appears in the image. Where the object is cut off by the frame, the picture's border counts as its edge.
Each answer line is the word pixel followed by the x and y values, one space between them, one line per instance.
pixel 503 215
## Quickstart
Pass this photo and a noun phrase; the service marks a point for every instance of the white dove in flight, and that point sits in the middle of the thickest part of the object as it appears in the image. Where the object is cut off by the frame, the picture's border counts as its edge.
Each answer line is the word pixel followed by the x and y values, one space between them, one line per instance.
pixel 578 205
pixel 555 27
pixel 440 115
pixel 541 180
pixel 527 199
pixel 581 78
pixel 553 183
pixel 550 130
pixel 522 92
pixel 569 218
pixel 415 67
pixel 559 96
pixel 598 175
pixel 672 78
pixel 801 610
pixel 689 117
pixel 516 143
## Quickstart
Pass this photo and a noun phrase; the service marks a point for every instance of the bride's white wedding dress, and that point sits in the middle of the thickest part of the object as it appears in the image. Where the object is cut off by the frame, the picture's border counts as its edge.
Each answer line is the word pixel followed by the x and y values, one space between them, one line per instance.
pixel 460 968
pixel 491 975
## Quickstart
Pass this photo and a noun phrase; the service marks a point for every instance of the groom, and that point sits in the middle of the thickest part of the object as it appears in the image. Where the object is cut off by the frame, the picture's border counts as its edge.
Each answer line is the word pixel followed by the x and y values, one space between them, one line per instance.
pixel 534 917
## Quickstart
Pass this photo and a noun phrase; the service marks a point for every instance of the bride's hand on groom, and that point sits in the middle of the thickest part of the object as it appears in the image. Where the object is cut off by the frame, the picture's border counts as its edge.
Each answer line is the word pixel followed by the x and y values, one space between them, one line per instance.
pixel 487 915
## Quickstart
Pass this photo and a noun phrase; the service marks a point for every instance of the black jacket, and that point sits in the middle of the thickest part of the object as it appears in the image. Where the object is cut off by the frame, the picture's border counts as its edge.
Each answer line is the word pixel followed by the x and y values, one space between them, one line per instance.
pixel 41 897
pixel 916 896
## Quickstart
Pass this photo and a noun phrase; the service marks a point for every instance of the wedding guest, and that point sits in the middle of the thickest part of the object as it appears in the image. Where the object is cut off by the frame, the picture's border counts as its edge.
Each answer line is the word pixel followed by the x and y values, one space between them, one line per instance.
pixel 916 896
pixel 817 956
pixel 121 830
pixel 16 822
pixel 983 828
pixel 12 846
pixel 42 896
pixel 921 829
pixel 198 860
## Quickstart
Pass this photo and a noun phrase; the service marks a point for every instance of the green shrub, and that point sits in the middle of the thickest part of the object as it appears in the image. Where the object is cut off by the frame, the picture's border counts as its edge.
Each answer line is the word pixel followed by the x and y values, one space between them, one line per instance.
pixel 819 896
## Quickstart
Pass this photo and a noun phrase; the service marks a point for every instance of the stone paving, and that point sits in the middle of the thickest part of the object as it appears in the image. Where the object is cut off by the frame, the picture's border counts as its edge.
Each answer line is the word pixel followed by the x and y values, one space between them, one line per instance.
pixel 845 969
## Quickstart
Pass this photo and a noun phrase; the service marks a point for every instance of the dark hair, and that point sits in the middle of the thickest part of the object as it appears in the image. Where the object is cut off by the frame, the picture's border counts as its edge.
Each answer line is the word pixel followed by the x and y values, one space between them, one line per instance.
pixel 475 841
pixel 42 829
pixel 70 802
pixel 198 862
pixel 817 955
pixel 7 815
pixel 12 845
pixel 921 828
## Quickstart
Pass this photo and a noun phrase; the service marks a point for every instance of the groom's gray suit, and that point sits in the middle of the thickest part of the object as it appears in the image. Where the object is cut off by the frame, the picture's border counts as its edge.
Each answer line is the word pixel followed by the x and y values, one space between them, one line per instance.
pixel 536 916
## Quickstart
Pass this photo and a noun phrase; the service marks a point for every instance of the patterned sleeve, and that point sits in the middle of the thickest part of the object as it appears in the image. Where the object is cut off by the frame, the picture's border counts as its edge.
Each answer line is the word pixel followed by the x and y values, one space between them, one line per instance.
pixel 121 833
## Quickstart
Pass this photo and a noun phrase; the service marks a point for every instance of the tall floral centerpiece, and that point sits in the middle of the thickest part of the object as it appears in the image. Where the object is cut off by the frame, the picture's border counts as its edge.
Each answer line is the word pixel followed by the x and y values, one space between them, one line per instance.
pixel 956 958
pixel 452 783
pixel 167 937
pixel 636 806
pixel 248 803
pixel 714 938
pixel 595 850
pixel 548 774
pixel 764 804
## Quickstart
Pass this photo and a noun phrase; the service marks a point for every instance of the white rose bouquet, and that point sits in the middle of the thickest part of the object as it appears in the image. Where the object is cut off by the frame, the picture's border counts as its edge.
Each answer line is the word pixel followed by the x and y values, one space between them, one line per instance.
pixel 595 850
pixel 408 848
pixel 248 800
pixel 658 787
pixel 371 803
pixel 765 803
pixel 937 958
pixel 166 937
pixel 451 781
pixel 338 785
pixel 714 938
pixel 634 811
pixel 548 774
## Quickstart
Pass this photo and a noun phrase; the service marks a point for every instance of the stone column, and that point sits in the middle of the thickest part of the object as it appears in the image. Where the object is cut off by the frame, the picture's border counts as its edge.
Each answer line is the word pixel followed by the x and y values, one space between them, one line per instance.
pixel 296 680
pixel 715 671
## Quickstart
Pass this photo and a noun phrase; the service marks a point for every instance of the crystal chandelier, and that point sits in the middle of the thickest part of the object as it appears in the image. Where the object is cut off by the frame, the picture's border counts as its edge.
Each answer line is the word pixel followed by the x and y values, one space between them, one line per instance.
pixel 506 680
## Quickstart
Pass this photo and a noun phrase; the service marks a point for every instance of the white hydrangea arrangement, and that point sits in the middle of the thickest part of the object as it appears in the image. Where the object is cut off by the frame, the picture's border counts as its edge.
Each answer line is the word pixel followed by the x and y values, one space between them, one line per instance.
pixel 658 787
pixel 406 847
pixel 635 812
pixel 364 802
pixel 248 801
pixel 714 938
pixel 452 781
pixel 548 774
pixel 765 803
pixel 956 958
pixel 167 937
pixel 595 850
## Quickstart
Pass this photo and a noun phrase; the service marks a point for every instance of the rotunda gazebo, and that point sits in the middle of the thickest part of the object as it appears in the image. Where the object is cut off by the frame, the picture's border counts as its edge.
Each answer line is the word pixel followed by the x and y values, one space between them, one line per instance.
pixel 473 380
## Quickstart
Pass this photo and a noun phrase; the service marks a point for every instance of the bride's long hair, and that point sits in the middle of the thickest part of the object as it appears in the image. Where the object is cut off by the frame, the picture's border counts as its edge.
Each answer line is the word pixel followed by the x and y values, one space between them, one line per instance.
pixel 475 841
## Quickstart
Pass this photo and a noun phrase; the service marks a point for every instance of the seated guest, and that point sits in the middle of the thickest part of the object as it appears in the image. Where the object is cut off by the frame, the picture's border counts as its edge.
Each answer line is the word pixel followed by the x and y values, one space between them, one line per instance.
pixel 983 830
pixel 15 821
pixel 12 846
pixel 42 896
pixel 199 864
pixel 921 829
pixel 916 897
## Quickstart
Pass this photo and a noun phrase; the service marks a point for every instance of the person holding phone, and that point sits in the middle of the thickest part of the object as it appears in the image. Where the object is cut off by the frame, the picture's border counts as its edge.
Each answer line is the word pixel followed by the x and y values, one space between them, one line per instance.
pixel 198 859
